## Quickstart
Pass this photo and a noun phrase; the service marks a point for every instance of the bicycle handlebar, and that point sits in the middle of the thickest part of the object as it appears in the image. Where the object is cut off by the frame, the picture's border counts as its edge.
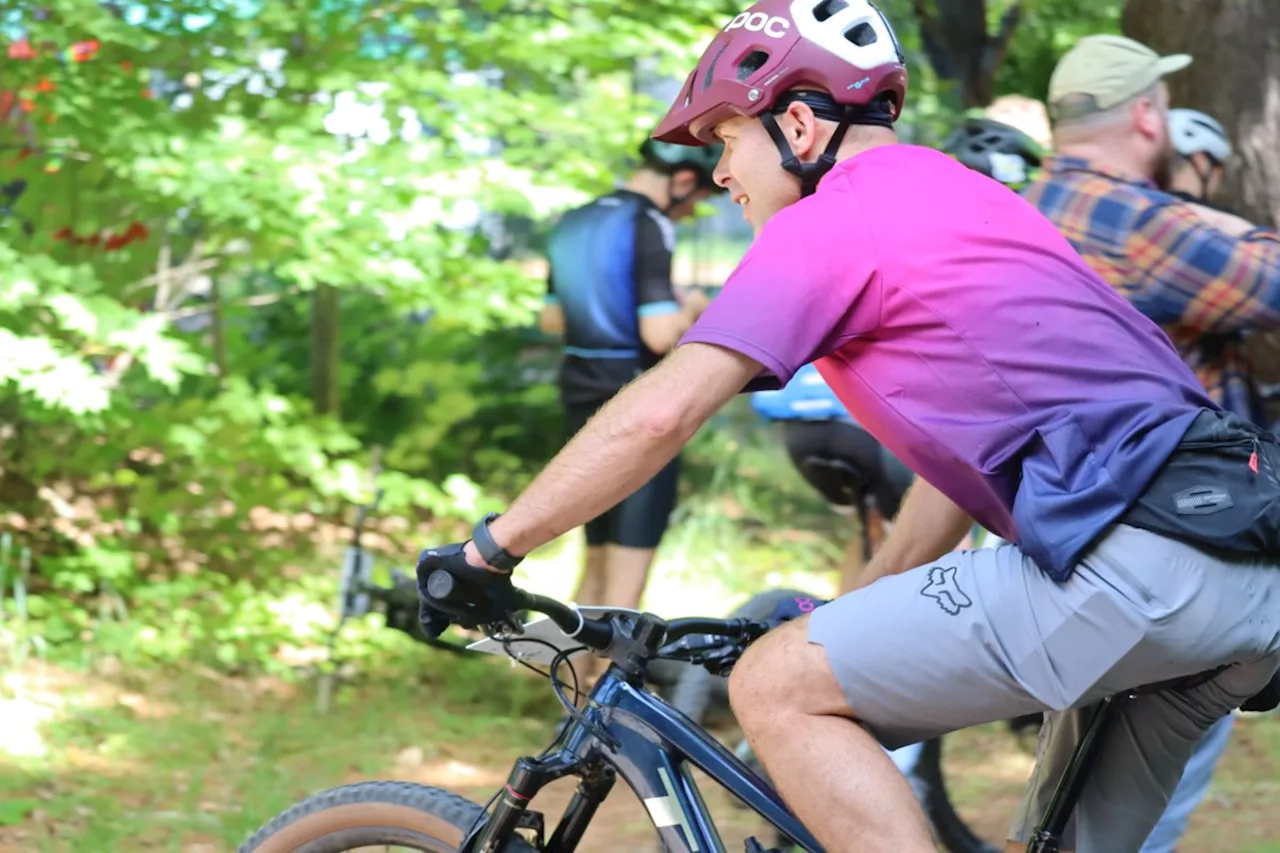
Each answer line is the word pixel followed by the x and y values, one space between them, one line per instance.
pixel 598 634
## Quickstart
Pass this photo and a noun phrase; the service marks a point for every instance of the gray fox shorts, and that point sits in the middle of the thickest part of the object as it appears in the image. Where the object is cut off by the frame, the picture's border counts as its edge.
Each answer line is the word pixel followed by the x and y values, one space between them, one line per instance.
pixel 980 636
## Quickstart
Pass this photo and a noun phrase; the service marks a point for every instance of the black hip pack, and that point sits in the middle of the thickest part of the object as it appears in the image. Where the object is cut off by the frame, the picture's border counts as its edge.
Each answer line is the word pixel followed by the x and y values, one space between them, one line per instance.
pixel 1220 490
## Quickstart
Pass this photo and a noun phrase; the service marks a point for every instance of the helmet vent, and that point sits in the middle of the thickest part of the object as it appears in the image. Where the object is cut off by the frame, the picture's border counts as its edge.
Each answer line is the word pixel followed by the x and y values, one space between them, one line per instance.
pixel 862 35
pixel 751 63
pixel 827 8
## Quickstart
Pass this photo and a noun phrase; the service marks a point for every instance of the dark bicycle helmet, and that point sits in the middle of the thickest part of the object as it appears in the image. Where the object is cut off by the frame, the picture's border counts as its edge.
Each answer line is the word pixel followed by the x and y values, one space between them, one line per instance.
pixel 667 158
pixel 995 149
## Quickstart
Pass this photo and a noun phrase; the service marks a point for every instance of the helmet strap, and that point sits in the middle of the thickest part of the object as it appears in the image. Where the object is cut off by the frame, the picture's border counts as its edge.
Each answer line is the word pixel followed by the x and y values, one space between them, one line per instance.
pixel 808 173
pixel 1203 174
pixel 876 113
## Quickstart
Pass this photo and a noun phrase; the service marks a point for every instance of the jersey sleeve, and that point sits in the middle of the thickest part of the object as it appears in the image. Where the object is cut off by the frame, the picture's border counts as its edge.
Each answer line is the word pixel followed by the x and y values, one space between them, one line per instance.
pixel 655 244
pixel 1188 272
pixel 807 285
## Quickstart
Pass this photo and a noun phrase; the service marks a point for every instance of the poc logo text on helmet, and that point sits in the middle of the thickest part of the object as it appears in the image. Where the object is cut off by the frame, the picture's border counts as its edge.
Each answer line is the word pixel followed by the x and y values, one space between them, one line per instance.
pixel 759 22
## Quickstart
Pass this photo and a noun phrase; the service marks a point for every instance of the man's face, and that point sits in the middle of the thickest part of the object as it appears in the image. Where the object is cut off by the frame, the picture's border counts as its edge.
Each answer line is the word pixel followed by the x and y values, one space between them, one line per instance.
pixel 750 169
pixel 685 186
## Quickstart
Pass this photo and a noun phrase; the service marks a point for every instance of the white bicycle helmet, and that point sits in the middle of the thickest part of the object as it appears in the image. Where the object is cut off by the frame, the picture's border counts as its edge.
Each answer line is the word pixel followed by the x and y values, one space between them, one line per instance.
pixel 1193 132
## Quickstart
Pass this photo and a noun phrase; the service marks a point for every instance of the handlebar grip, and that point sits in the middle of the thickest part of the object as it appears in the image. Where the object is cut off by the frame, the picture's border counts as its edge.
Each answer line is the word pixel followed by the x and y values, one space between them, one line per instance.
pixel 441 585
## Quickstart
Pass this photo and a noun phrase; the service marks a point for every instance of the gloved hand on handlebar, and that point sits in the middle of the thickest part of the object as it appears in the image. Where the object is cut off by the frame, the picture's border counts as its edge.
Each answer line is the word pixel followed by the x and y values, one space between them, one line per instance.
pixel 793 608
pixel 480 596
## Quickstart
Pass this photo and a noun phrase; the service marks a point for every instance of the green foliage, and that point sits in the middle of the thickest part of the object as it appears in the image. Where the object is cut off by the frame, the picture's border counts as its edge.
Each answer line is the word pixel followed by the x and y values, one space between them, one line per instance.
pixel 13 812
pixel 1047 30
pixel 176 179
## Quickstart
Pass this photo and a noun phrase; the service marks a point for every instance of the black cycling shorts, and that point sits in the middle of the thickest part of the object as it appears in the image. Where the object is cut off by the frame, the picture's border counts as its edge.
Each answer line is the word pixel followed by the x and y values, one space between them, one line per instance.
pixel 641 519
pixel 873 470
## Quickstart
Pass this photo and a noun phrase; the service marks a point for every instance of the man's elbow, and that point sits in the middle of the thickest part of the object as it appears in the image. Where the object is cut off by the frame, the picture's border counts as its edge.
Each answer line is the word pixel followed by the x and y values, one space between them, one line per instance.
pixel 663 421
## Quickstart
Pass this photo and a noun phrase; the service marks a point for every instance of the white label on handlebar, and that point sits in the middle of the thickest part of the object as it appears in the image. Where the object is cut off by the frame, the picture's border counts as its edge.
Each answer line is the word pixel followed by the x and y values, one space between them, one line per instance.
pixel 542 628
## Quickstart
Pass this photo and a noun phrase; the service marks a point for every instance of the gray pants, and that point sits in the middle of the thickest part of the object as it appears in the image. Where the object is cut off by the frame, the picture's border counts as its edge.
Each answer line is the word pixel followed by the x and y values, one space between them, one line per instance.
pixel 980 636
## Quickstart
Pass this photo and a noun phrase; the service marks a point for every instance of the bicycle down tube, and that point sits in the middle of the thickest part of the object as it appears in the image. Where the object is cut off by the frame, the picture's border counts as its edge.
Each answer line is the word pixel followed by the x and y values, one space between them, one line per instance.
pixel 651 746
pixel 659 773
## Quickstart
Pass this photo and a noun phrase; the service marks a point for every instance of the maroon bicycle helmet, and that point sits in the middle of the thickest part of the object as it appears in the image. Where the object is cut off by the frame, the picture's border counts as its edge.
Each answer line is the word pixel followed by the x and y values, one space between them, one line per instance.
pixel 778 51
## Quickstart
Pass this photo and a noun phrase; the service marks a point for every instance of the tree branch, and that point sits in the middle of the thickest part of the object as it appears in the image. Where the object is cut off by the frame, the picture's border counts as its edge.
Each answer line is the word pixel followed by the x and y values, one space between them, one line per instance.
pixel 247 302
pixel 163 268
pixel 185 271
pixel 994 52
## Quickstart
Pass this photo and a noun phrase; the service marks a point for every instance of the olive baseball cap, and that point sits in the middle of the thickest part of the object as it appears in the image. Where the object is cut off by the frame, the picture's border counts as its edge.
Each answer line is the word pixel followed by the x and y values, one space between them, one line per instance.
pixel 1110 70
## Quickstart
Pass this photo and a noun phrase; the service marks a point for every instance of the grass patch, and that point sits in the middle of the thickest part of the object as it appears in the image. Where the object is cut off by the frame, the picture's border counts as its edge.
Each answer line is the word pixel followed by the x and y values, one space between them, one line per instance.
pixel 185 760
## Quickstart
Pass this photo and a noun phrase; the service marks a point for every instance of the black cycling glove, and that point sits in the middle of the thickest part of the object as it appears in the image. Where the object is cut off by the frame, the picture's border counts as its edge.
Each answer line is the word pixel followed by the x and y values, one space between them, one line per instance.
pixel 479 596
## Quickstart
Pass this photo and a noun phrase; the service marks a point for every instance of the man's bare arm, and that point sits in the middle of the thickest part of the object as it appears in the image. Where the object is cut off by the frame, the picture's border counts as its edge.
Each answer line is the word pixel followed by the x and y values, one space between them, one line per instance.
pixel 927 526
pixel 629 440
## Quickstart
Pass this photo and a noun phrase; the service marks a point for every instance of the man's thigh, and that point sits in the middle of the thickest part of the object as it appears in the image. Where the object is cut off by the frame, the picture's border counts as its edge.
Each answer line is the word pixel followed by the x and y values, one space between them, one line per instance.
pixel 985 635
pixel 966 640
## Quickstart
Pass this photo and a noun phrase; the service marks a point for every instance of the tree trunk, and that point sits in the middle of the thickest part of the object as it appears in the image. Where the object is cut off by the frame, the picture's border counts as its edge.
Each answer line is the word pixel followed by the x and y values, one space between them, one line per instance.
pixel 1236 79
pixel 954 36
pixel 324 349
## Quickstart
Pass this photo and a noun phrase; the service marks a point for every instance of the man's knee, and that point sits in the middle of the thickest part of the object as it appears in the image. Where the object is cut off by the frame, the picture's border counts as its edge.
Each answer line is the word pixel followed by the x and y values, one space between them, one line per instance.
pixel 783 672
pixel 762 677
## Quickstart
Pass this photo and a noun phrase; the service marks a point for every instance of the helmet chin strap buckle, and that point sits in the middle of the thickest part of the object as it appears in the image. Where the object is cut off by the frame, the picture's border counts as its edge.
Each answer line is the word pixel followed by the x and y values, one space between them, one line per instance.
pixel 808 173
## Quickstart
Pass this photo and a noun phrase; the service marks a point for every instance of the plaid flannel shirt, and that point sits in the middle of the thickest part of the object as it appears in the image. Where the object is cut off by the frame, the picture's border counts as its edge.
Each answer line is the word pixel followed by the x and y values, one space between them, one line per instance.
pixel 1205 288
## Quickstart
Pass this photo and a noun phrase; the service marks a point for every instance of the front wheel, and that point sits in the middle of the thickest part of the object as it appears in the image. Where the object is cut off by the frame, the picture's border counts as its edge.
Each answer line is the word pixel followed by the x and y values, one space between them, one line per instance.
pixel 369 814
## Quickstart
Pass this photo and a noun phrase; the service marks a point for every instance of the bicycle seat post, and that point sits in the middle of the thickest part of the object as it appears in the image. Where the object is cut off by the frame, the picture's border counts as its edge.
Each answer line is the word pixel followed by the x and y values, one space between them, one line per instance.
pixel 1048 835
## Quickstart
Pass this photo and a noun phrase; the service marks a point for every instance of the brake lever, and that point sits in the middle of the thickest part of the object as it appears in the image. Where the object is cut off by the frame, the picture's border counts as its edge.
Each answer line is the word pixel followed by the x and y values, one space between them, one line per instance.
pixel 690 644
pixel 721 661
pixel 710 651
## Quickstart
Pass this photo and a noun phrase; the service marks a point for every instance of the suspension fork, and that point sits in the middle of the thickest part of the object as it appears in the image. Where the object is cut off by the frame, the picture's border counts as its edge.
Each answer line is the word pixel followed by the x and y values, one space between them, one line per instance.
pixel 528 777
pixel 592 790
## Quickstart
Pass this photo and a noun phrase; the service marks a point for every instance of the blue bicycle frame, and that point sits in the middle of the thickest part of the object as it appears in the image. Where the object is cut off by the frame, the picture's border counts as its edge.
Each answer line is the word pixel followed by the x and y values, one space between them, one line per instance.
pixel 632 733
pixel 626 730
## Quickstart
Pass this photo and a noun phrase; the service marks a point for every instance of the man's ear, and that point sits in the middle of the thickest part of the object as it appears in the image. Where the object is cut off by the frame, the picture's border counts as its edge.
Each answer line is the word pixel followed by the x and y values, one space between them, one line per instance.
pixel 800 127
pixel 1148 118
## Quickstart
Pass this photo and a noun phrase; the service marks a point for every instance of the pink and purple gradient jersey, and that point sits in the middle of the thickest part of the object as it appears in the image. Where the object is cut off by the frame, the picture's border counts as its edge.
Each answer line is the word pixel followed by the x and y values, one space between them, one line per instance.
pixel 961 329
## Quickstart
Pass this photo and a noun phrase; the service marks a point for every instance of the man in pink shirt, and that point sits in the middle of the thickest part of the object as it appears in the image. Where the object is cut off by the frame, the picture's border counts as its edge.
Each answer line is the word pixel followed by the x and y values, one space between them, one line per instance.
pixel 960 328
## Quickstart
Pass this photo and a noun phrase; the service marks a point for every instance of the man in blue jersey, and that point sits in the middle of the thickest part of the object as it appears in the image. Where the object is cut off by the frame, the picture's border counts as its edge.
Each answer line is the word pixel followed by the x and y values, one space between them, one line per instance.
pixel 610 294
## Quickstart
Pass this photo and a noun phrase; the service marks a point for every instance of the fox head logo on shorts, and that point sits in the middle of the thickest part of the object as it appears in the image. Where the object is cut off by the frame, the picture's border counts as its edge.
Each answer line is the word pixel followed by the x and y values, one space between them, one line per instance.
pixel 942 588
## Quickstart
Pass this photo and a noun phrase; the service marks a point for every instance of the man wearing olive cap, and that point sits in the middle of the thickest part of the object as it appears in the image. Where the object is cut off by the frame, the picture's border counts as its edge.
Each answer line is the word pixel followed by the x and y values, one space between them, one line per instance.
pixel 1206 277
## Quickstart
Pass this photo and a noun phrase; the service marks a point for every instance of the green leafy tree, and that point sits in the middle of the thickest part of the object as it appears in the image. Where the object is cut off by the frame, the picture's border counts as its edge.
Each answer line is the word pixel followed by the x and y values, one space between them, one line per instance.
pixel 176 179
